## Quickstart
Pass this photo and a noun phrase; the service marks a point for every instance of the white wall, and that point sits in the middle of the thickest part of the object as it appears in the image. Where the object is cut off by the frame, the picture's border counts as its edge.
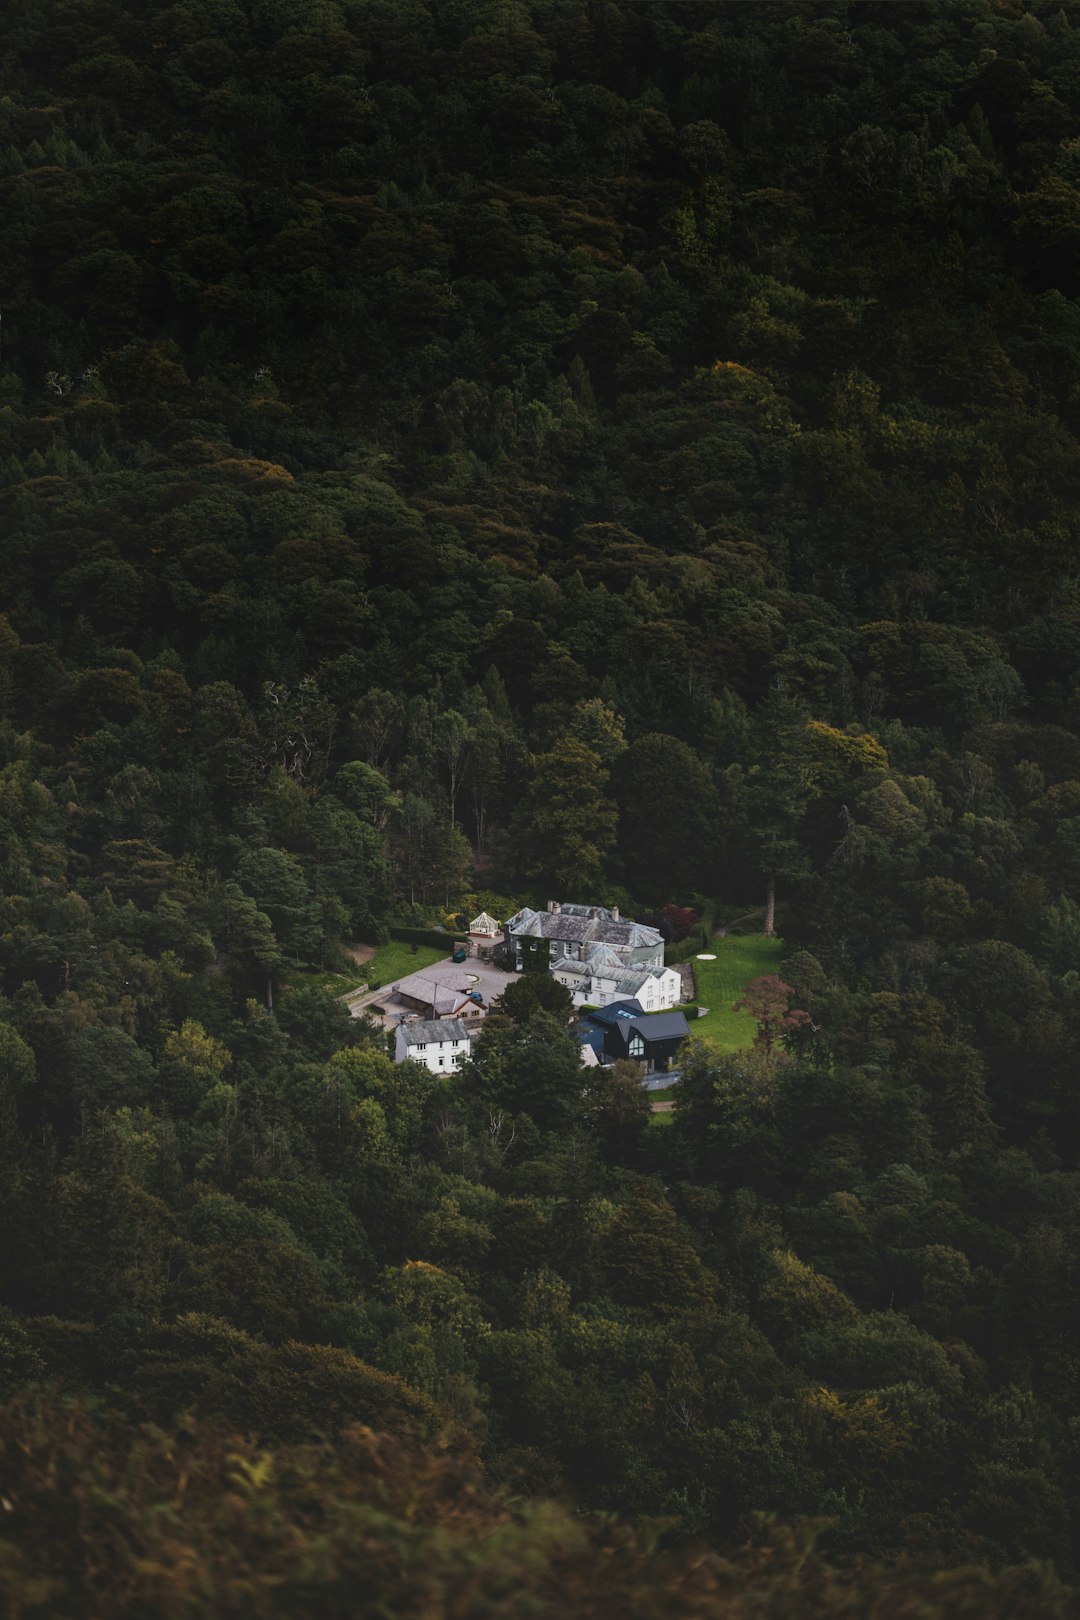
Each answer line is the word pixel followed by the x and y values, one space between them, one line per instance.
pixel 441 1057
pixel 664 991
pixel 655 995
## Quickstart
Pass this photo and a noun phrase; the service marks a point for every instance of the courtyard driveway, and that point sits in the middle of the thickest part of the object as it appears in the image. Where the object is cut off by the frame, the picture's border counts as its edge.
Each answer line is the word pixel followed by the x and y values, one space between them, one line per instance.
pixel 383 1006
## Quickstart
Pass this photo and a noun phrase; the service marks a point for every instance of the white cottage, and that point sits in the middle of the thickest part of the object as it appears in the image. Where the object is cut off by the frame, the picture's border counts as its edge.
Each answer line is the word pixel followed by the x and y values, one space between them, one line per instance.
pixel 441 1043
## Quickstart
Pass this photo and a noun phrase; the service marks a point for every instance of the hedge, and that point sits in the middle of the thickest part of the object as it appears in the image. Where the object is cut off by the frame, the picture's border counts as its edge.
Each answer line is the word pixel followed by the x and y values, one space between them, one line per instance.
pixel 427 936
pixel 696 940
pixel 707 920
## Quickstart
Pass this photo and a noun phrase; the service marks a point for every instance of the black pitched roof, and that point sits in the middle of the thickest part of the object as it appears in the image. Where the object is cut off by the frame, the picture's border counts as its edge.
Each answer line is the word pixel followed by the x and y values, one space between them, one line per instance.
pixel 617 1012
pixel 665 1026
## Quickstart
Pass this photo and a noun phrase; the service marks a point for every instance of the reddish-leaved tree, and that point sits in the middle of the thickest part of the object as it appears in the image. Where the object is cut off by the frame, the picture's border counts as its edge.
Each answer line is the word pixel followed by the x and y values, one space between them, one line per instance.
pixel 768 1001
pixel 678 920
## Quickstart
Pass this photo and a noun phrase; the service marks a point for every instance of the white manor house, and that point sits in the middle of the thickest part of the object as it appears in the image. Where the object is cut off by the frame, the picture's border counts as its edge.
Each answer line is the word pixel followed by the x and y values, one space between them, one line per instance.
pixel 599 956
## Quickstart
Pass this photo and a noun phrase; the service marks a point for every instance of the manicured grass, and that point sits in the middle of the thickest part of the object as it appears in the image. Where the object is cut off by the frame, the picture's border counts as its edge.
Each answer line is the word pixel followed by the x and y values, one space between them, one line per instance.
pixel 739 958
pixel 397 959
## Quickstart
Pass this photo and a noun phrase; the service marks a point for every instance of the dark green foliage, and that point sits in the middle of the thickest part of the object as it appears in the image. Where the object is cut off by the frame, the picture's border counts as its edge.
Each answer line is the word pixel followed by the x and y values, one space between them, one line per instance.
pixel 621 452
pixel 535 992
pixel 423 936
pixel 535 956
pixel 203 1364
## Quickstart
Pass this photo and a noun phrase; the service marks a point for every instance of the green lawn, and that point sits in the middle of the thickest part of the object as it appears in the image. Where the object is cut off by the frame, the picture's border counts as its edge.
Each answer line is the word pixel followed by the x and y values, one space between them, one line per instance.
pixel 397 959
pixel 335 984
pixel 739 958
pixel 390 963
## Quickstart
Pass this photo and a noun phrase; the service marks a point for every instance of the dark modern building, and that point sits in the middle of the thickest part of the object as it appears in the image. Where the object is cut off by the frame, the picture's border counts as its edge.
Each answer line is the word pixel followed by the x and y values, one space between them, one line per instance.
pixel 624 1029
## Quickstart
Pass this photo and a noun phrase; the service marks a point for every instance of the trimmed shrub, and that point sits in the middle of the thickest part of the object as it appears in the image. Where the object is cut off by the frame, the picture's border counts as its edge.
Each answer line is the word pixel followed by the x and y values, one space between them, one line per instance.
pixel 424 936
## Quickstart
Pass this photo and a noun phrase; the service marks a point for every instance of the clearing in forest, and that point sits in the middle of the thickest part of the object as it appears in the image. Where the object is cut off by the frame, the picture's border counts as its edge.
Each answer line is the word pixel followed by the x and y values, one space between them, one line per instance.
pixel 739 959
pixel 382 965
pixel 397 959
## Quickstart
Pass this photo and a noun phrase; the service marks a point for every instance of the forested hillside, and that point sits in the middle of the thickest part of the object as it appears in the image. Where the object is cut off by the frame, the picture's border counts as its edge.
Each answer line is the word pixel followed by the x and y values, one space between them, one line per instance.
pixel 457 451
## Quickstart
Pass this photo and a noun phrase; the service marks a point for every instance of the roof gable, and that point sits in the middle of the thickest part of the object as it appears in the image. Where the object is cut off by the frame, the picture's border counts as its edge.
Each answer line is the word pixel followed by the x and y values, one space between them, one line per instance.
pixel 664 1026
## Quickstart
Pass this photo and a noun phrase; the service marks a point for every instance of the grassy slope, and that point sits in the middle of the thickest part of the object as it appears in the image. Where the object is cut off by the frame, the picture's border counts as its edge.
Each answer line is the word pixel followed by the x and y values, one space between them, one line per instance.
pixel 720 984
pixel 397 959
pixel 391 962
pixel 335 984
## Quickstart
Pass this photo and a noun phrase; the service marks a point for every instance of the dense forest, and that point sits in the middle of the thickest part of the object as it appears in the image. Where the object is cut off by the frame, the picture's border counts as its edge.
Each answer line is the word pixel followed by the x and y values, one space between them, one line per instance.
pixel 458 452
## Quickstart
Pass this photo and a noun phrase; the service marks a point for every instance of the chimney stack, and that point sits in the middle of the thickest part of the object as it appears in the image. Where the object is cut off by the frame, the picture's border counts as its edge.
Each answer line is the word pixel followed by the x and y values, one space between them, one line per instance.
pixel 614 913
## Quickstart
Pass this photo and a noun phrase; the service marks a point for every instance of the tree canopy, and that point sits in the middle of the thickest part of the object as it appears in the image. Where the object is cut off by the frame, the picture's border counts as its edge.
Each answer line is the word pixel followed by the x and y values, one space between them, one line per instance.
pixel 454 456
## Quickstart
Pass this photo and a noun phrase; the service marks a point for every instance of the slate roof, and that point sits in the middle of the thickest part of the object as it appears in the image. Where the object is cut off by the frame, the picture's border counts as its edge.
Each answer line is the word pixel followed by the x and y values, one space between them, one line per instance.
pixel 592 925
pixel 665 1026
pixel 617 1012
pixel 423 985
pixel 636 977
pixel 607 932
pixel 586 1036
pixel 628 984
pixel 421 1031
pixel 550 925
pixel 605 964
pixel 553 925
